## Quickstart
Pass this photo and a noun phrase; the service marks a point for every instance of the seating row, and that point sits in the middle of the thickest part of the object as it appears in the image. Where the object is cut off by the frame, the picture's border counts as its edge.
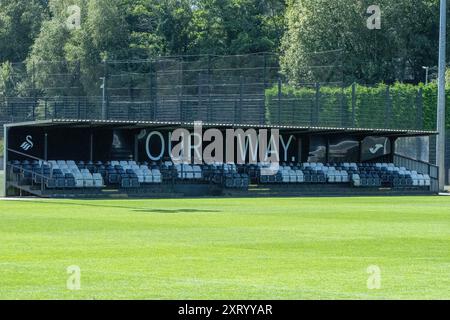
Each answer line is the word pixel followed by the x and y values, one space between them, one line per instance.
pixel 130 174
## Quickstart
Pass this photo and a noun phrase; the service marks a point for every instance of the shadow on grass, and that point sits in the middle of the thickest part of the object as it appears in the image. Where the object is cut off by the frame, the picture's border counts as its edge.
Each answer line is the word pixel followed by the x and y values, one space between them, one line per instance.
pixel 176 211
pixel 135 209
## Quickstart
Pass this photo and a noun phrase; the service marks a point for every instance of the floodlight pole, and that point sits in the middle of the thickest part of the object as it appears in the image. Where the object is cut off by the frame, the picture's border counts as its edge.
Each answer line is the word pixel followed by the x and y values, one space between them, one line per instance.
pixel 103 97
pixel 5 161
pixel 427 72
pixel 440 144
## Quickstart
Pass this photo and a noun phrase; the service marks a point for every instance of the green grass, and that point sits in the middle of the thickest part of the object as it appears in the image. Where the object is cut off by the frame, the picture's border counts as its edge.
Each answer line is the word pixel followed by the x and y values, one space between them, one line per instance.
pixel 226 248
pixel 2 181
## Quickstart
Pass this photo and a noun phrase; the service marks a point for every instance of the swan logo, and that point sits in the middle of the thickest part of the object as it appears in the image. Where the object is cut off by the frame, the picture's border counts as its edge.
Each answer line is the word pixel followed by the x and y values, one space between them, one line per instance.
pixel 376 148
pixel 28 144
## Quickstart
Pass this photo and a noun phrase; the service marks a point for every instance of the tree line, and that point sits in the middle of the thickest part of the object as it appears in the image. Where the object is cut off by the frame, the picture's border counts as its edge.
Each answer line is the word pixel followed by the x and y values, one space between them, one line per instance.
pixel 407 40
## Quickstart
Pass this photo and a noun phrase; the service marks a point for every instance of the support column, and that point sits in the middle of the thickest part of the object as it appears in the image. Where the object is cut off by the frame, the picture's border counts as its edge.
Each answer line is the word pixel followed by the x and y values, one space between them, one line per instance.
pixel 91 147
pixel 136 148
pixel 5 160
pixel 392 140
pixel 360 140
pixel 440 144
pixel 46 146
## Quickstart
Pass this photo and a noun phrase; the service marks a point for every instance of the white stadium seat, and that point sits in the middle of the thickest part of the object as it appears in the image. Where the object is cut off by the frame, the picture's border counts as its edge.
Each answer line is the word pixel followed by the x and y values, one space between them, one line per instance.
pixel 98 180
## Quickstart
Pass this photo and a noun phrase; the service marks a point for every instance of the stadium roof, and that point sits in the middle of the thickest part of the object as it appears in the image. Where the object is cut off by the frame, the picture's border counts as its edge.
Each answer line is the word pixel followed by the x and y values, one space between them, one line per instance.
pixel 121 124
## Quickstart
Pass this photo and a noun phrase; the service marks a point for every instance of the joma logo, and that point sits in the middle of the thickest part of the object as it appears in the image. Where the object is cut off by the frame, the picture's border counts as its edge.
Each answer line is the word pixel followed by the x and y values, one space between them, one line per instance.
pixel 376 148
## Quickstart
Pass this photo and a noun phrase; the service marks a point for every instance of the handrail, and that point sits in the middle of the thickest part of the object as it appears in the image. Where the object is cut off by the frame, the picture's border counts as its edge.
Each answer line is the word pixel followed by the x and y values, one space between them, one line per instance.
pixel 27 155
pixel 29 171
pixel 415 160
pixel 41 175
pixel 417 165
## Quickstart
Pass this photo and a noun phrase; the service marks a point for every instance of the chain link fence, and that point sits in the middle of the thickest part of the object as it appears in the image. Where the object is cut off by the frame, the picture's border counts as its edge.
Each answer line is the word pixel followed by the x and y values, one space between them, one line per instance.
pixel 243 89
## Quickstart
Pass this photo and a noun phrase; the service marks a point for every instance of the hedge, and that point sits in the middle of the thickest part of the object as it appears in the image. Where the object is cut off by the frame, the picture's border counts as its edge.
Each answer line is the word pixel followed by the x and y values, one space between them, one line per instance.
pixel 399 106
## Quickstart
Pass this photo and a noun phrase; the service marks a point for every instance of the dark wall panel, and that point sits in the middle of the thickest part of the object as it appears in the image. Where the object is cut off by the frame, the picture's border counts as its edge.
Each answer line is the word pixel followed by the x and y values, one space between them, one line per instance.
pixel 317 149
pixel 64 144
pixel 373 148
pixel 343 149
pixel 29 141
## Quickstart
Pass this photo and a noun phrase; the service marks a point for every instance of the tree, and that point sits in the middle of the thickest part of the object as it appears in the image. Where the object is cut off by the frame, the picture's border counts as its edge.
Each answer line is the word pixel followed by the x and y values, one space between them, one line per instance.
pixel 236 26
pixel 103 34
pixel 406 42
pixel 20 22
pixel 7 85
pixel 159 27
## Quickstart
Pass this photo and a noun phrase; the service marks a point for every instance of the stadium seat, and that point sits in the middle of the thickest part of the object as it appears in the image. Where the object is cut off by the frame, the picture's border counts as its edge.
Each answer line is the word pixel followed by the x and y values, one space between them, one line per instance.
pixel 98 180
pixel 356 179
pixel 156 174
pixel 69 181
pixel 79 181
pixel 88 180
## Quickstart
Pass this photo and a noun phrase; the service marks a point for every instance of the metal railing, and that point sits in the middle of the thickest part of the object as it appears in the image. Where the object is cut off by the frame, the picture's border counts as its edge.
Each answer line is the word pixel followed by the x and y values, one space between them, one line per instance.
pixel 313 109
pixel 421 167
pixel 14 173
pixel 242 89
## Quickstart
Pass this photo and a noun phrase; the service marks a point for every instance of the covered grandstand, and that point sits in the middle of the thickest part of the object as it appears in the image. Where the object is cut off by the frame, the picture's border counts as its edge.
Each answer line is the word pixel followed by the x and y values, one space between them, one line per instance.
pixel 79 136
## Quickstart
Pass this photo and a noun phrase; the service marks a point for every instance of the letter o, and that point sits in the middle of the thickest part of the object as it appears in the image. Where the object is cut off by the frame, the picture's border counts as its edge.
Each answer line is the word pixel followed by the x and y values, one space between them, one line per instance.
pixel 147 146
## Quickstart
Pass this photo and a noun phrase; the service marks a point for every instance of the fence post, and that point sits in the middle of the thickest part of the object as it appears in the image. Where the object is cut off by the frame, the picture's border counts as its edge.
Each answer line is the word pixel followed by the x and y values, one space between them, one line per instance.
pixel 293 120
pixel 34 91
pixel 79 108
pixel 104 110
pixel 317 106
pixel 156 103
pixel 180 90
pixel 199 92
pixel 45 108
pixel 152 110
pixel 241 98
pixel 33 84
pixel 182 115
pixel 420 109
pixel 236 107
pixel 354 105
pixel 208 111
pixel 34 109
pixel 280 92
pixel 343 111
pixel 265 71
pixel 387 121
pixel 12 112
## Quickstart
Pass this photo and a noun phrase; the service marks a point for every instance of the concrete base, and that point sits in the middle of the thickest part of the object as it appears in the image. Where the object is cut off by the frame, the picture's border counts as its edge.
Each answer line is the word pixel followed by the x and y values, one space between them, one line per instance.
pixel 209 190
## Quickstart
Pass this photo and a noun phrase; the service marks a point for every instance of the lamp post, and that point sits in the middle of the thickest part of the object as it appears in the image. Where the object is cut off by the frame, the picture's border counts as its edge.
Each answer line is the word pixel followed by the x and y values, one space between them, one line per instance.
pixel 103 87
pixel 440 144
pixel 427 72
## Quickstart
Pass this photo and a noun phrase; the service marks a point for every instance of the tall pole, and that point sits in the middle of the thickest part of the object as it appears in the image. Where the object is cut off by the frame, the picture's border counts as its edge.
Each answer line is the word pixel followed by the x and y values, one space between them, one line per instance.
pixel 103 87
pixel 5 161
pixel 427 73
pixel 440 147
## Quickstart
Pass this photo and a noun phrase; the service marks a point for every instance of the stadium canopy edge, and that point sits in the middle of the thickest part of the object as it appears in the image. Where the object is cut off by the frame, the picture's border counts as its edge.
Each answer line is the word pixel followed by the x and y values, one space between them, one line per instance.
pixel 130 124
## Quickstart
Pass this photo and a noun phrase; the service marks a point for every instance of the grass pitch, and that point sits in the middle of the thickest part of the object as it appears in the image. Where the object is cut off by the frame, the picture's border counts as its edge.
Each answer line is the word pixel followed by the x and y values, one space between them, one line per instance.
pixel 226 248
pixel 2 181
